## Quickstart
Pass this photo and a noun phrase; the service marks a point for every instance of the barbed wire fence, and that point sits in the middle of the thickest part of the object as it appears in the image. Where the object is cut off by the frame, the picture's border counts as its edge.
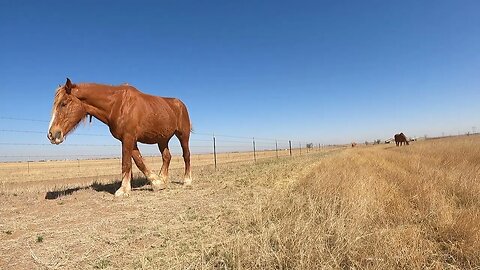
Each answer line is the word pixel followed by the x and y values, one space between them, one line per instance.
pixel 31 158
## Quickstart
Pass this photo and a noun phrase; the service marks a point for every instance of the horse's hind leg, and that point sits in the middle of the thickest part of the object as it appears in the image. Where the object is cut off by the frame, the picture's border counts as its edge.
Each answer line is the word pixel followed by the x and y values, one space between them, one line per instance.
pixel 152 177
pixel 166 157
pixel 184 138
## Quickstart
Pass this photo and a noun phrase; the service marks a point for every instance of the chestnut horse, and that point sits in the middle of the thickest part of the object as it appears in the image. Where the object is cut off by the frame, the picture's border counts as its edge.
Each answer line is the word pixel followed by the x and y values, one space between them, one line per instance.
pixel 400 139
pixel 132 117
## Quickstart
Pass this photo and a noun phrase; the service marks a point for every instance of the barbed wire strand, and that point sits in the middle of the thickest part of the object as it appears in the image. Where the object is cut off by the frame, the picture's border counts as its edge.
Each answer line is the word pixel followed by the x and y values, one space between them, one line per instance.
pixel 90 134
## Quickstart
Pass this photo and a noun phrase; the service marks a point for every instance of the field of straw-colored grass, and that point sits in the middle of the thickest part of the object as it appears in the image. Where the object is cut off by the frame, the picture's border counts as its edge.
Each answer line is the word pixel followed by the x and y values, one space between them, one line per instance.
pixel 415 207
pixel 375 207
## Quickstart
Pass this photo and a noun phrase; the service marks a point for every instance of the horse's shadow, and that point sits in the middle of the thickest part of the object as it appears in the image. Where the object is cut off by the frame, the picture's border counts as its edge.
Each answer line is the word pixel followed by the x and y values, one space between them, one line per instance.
pixel 137 182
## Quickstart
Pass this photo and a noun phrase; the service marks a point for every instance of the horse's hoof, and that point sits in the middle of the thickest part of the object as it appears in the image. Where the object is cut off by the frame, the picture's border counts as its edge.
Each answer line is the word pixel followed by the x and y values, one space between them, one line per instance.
pixel 187 183
pixel 121 193
pixel 158 185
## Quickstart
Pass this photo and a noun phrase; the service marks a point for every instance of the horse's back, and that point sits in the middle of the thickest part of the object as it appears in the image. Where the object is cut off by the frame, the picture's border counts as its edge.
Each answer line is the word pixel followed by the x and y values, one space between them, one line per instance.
pixel 167 111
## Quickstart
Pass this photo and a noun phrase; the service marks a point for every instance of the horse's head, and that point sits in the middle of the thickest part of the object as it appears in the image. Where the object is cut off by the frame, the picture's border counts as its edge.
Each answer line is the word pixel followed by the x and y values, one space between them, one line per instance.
pixel 67 112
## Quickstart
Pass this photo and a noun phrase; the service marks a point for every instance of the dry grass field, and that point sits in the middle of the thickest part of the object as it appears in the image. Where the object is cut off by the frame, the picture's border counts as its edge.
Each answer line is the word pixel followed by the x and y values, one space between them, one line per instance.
pixel 375 207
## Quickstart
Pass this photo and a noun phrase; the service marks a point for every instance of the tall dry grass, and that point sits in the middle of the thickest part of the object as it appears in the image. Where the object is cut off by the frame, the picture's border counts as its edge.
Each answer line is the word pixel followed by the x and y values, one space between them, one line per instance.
pixel 385 207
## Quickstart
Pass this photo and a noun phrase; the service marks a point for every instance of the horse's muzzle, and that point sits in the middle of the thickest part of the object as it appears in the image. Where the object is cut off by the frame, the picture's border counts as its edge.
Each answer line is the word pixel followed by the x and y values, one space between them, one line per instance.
pixel 55 137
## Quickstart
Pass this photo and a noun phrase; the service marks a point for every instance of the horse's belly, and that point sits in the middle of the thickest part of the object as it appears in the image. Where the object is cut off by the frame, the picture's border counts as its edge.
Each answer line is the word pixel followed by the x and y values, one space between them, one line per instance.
pixel 155 136
pixel 147 140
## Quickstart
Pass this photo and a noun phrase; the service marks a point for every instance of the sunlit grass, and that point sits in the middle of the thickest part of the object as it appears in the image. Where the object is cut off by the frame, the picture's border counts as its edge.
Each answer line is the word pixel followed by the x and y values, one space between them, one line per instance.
pixel 378 208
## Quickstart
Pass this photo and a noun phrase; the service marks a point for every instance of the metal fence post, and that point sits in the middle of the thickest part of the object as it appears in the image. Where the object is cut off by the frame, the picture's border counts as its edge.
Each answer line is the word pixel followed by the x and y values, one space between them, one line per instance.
pixel 254 152
pixel 276 148
pixel 215 151
pixel 290 146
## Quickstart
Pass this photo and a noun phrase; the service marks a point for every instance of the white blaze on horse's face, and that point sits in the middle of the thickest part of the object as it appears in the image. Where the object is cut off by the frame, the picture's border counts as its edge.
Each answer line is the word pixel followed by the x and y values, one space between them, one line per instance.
pixel 55 134
pixel 56 141
pixel 55 137
pixel 51 120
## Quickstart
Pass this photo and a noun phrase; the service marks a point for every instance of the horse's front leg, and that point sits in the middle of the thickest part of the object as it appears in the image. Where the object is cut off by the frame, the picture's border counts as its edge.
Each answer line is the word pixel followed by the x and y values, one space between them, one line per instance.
pixel 127 148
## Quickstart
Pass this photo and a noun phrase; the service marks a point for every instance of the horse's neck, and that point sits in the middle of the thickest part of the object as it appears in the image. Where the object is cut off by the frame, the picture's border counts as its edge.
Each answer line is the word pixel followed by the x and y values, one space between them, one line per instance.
pixel 98 100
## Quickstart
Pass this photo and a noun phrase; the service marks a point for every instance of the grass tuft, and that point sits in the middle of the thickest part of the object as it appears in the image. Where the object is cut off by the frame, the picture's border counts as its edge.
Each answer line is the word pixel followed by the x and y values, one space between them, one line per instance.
pixel 39 239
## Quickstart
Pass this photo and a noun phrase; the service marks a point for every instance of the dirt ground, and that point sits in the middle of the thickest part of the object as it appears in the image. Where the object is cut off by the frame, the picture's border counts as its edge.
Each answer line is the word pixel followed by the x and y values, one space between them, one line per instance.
pixel 83 226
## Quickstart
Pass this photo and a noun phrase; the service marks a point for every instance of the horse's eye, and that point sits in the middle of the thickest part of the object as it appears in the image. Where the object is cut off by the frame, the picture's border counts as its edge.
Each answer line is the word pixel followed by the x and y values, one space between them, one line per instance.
pixel 63 104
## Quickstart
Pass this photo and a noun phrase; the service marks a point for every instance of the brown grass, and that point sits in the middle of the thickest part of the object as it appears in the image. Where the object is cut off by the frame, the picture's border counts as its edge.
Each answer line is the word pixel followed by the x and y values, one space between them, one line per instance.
pixel 376 207
pixel 381 207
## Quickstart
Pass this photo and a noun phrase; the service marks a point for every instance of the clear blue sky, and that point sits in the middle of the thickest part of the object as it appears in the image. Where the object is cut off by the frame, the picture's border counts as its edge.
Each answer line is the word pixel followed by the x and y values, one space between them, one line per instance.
pixel 320 71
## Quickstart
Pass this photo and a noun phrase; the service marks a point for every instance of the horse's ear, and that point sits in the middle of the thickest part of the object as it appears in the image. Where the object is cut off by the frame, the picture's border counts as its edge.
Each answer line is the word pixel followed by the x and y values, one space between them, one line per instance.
pixel 68 86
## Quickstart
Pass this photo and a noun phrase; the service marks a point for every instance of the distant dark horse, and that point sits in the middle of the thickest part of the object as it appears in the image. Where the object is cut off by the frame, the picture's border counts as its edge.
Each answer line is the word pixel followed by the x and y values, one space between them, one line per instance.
pixel 400 139
pixel 132 117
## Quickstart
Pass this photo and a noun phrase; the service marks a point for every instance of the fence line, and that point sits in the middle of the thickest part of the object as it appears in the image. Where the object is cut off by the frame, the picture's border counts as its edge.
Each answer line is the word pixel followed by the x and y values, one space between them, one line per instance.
pixel 109 135
pixel 26 164
pixel 31 171
pixel 103 125
pixel 224 141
